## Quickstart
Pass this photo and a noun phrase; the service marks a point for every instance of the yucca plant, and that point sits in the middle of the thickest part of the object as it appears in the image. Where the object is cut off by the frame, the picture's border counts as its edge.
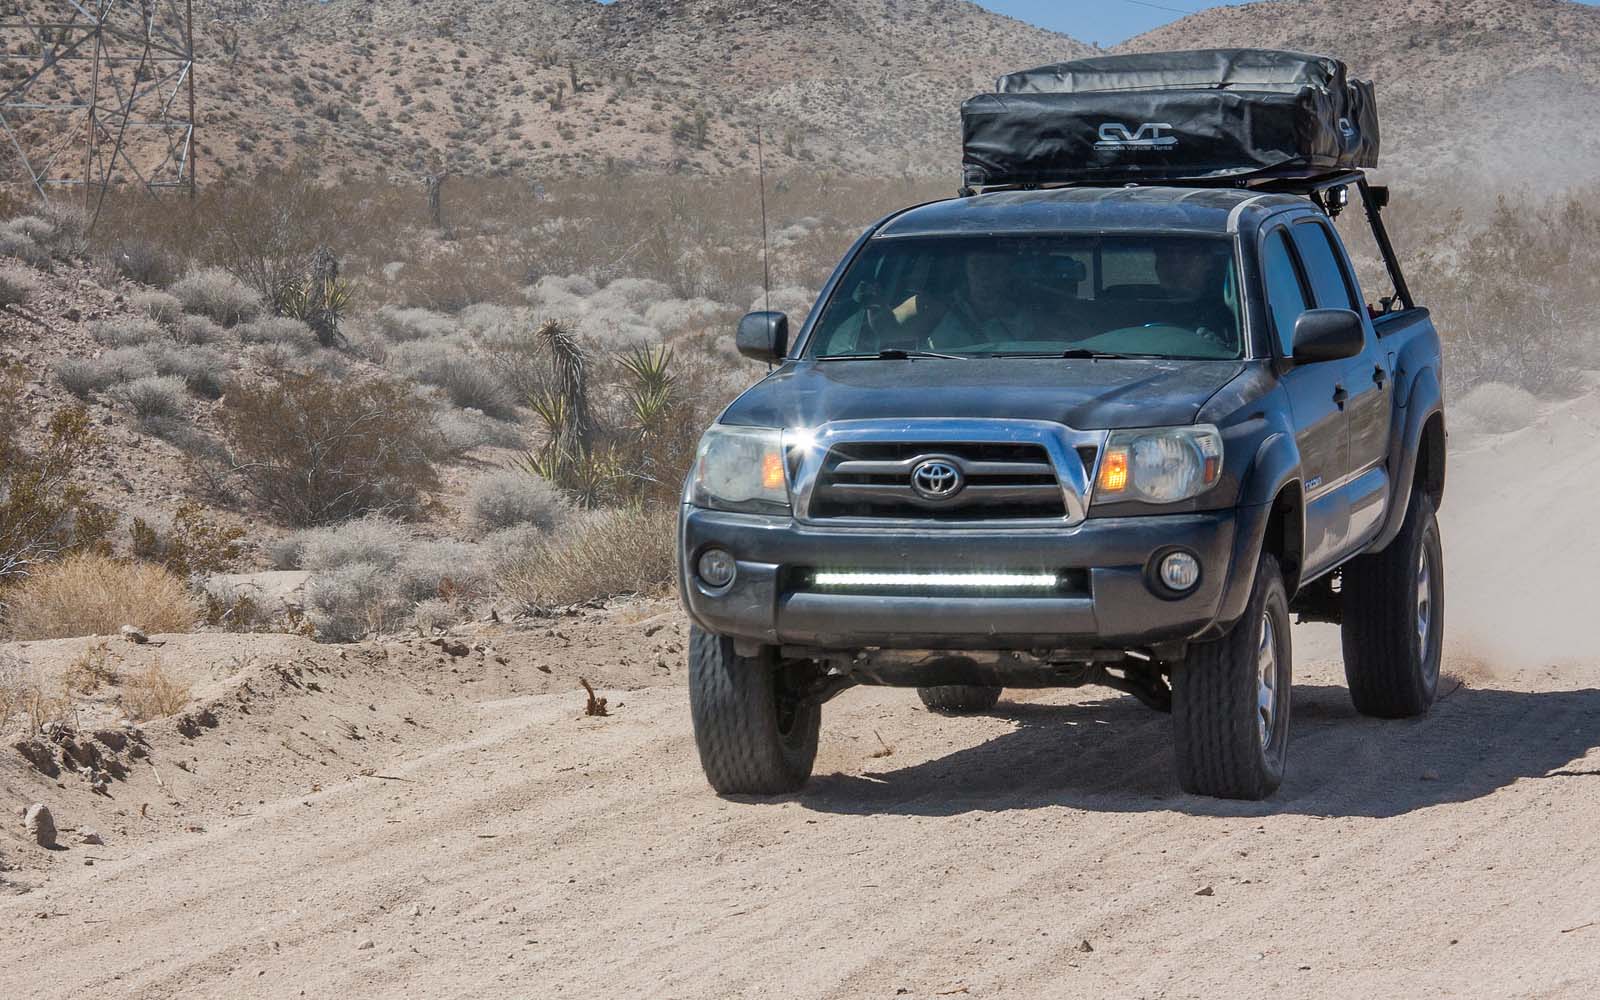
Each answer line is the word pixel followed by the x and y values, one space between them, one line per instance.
pixel 653 393
pixel 568 392
pixel 320 305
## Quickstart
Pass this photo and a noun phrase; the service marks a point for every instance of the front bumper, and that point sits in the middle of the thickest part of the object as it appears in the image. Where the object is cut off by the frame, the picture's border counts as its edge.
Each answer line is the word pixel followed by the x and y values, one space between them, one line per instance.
pixel 770 600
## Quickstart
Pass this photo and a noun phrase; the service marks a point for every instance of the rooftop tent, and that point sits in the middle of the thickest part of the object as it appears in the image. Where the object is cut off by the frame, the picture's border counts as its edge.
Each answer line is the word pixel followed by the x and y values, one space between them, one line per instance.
pixel 1212 115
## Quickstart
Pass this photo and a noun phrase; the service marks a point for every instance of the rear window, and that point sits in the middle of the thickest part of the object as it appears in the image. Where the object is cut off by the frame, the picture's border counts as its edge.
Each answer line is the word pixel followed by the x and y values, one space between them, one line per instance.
pixel 1143 295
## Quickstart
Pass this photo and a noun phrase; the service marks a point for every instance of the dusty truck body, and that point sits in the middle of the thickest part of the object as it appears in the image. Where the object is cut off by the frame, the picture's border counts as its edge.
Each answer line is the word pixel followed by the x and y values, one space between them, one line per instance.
pixel 1108 435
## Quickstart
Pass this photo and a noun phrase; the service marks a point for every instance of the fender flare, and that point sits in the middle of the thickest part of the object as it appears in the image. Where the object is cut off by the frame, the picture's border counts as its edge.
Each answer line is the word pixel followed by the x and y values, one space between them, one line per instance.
pixel 1424 402
pixel 1276 466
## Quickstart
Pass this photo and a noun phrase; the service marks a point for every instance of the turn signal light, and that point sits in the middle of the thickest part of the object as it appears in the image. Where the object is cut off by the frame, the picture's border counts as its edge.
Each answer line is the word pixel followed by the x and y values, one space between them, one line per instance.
pixel 1114 472
pixel 772 471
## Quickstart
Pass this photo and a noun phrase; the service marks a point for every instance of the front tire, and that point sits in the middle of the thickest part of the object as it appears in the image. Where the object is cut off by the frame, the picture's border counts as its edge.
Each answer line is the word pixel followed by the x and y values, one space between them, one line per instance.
pixel 1393 627
pixel 754 736
pixel 960 699
pixel 1231 699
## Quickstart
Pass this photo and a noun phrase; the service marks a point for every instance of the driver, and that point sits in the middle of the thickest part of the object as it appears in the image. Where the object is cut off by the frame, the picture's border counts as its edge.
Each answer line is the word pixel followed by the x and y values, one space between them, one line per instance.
pixel 1197 276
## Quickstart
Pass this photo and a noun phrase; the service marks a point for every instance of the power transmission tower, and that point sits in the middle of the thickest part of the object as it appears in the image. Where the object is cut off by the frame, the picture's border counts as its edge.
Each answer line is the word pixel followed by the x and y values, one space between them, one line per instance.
pixel 96 93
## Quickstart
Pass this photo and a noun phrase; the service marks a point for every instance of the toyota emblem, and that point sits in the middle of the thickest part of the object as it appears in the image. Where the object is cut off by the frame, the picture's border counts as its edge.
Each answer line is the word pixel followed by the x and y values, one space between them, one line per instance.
pixel 936 479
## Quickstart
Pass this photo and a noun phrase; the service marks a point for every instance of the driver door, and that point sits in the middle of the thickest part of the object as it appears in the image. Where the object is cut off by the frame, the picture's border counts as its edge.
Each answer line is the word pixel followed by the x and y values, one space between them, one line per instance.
pixel 1317 400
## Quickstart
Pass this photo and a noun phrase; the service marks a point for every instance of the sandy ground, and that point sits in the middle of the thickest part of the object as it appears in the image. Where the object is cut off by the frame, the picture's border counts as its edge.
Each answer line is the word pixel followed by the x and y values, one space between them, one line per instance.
pixel 393 820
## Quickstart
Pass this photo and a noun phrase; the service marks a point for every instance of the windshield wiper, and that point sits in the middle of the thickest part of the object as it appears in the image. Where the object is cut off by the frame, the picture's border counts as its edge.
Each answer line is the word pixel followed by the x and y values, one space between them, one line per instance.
pixel 893 354
pixel 1076 352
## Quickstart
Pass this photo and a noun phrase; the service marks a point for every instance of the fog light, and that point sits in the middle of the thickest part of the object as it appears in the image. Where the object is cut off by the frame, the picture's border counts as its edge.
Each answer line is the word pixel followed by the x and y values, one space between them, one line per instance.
pixel 717 568
pixel 1180 571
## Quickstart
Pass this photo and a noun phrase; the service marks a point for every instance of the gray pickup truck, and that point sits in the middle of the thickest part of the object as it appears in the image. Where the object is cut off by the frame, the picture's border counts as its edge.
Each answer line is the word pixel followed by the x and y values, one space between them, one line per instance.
pixel 1084 435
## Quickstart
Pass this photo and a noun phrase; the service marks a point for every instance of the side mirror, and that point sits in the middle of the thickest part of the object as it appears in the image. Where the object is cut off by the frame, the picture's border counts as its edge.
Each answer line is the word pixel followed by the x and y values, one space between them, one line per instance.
pixel 1328 335
pixel 764 336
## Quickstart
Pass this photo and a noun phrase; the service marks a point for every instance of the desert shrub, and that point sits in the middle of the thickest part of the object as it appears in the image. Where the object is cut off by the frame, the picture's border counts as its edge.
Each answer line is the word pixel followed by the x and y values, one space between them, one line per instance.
pixel 466 379
pixel 603 554
pixel 196 331
pixel 433 616
pixel 153 693
pixel 84 377
pixel 510 497
pixel 17 287
pixel 143 260
pixel 14 243
pixel 400 325
pixel 352 602
pixel 217 294
pixel 238 608
pixel 127 331
pixel 204 370
pixel 162 307
pixel 315 450
pixel 286 551
pixel 472 385
pixel 45 511
pixel 91 594
pixel 151 396
pixel 79 376
pixel 373 540
pixel 505 549
pixel 442 568
pixel 41 240
pixel 194 543
pixel 93 669
pixel 24 698
pixel 460 431
pixel 490 322
pixel 280 330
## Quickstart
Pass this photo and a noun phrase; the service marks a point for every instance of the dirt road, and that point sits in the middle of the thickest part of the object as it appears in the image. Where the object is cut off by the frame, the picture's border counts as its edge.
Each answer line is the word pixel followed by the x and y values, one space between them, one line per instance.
pixel 478 836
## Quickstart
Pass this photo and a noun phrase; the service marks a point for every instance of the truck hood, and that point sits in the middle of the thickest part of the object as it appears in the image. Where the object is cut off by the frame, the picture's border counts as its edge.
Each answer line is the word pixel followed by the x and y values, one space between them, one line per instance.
pixel 1082 394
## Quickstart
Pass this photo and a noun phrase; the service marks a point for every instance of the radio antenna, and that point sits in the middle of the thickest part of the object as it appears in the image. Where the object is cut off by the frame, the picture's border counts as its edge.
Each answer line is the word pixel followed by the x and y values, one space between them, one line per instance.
pixel 766 248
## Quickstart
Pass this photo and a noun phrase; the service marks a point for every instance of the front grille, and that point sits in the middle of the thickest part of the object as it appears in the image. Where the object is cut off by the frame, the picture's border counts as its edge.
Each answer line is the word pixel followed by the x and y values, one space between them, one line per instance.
pixel 874 479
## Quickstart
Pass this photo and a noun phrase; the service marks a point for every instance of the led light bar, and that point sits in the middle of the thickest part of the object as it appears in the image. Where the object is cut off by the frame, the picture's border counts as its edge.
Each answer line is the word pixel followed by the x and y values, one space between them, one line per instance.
pixel 1020 581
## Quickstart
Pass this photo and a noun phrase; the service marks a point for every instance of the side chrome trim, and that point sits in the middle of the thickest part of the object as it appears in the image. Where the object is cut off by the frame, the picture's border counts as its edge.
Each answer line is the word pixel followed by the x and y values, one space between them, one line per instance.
pixel 1060 443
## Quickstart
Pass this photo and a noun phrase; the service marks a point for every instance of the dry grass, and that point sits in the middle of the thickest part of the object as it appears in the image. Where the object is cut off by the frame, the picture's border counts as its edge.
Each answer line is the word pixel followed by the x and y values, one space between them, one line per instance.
pixel 154 694
pixel 24 698
pixel 96 668
pixel 95 595
pixel 605 554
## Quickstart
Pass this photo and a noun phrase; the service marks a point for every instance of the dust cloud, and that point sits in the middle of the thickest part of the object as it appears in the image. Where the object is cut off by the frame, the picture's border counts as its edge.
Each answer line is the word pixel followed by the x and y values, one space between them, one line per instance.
pixel 1520 540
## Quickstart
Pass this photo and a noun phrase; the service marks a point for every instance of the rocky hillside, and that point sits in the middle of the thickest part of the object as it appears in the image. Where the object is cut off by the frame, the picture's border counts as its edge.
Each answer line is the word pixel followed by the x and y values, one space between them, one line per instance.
pixel 1497 89
pixel 561 85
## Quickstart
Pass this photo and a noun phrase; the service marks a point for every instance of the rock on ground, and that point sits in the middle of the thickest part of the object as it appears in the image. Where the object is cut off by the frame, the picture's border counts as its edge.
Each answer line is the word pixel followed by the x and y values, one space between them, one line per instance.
pixel 41 825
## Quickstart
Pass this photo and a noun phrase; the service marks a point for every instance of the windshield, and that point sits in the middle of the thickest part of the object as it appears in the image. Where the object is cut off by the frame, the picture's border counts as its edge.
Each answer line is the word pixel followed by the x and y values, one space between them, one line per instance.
pixel 1089 295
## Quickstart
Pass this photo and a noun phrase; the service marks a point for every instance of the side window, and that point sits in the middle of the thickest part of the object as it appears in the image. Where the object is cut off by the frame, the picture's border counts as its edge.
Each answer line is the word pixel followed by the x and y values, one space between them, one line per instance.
pixel 1286 293
pixel 1328 281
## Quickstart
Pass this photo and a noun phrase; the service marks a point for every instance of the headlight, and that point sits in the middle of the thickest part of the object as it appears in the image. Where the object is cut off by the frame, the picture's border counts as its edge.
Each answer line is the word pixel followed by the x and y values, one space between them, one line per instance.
pixel 741 468
pixel 1164 465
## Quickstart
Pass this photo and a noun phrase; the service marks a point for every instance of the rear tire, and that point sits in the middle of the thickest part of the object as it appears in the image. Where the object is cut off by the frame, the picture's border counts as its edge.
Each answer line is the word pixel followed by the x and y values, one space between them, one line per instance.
pixel 1231 699
pixel 1393 627
pixel 960 699
pixel 754 737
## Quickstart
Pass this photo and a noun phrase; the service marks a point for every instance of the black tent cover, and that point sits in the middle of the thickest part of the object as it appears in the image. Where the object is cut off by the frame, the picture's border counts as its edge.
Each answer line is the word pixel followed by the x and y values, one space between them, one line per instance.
pixel 1209 115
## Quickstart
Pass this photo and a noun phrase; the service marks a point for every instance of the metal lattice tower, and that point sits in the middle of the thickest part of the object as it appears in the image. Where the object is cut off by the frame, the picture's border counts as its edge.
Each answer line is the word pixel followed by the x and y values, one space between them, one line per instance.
pixel 96 93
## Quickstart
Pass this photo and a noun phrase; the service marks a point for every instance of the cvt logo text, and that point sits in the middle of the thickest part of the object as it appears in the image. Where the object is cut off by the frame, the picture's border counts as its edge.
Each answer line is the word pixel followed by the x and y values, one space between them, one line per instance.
pixel 1115 135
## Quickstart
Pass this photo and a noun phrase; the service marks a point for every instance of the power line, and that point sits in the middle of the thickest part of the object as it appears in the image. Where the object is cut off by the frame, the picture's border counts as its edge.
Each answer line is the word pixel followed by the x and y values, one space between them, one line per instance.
pixel 1157 6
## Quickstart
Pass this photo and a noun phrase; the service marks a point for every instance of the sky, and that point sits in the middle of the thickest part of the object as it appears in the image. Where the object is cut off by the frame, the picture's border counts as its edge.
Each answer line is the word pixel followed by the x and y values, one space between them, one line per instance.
pixel 1106 22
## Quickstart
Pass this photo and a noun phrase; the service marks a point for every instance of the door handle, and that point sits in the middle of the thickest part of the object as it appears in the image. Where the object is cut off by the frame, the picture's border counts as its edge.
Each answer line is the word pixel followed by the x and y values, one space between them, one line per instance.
pixel 1340 395
pixel 1379 376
